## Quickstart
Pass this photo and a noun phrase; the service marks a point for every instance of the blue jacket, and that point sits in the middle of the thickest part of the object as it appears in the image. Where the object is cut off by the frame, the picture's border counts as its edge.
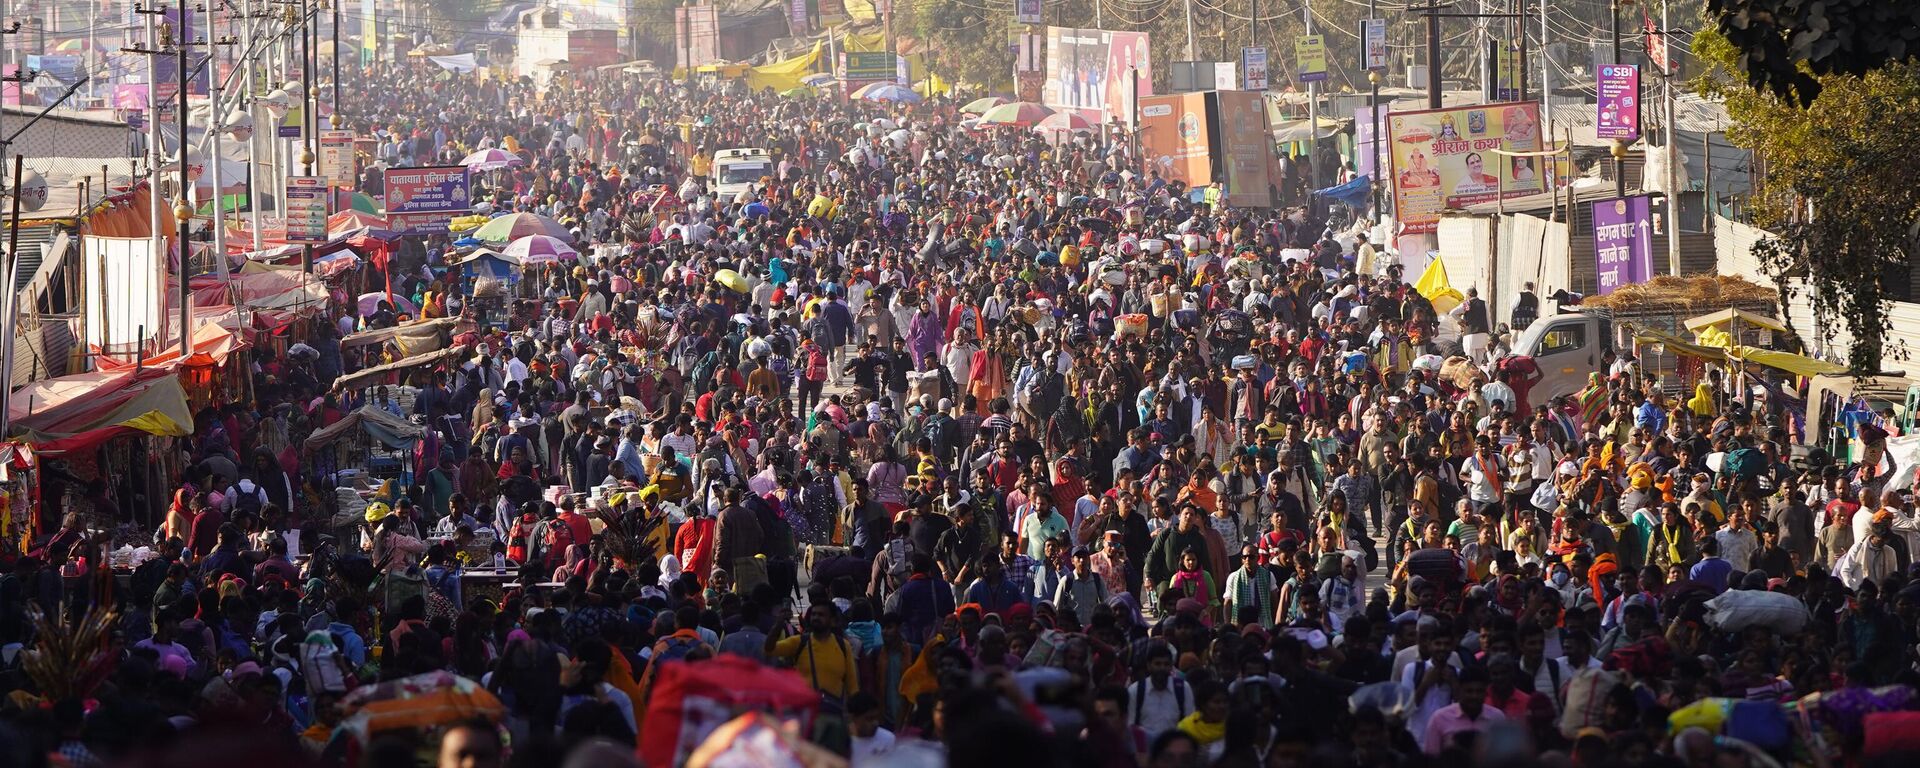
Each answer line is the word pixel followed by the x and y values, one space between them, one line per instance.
pixel 921 602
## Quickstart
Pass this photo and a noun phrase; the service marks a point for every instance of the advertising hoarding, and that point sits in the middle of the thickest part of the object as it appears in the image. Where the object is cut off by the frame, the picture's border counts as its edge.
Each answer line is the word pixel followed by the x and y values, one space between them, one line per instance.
pixel 1445 158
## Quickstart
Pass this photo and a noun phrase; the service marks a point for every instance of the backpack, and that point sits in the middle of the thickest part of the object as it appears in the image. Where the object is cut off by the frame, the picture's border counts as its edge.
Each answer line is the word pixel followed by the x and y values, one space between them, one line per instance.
pixel 675 649
pixel 944 432
pixel 399 587
pixel 703 372
pixel 246 501
pixel 559 536
pixel 1745 462
pixel 1179 687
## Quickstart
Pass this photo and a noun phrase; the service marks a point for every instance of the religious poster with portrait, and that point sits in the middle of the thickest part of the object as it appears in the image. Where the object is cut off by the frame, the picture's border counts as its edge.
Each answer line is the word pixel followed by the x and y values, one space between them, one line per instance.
pixel 1450 158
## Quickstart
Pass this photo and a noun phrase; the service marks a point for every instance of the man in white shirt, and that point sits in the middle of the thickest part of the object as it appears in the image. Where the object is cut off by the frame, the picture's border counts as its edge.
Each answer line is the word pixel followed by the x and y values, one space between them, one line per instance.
pixel 863 719
pixel 1432 676
pixel 1157 702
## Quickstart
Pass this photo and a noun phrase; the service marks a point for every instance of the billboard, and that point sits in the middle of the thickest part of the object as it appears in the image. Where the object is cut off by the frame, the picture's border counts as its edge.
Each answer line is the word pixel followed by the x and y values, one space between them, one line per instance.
pixel 1622 242
pixel 1030 11
pixel 1619 103
pixel 1253 69
pixel 1088 72
pixel 306 209
pixel 1445 158
pixel 1174 138
pixel 1368 163
pixel 869 65
pixel 1373 44
pixel 336 158
pixel 696 31
pixel 1245 147
pixel 1310 53
pixel 424 200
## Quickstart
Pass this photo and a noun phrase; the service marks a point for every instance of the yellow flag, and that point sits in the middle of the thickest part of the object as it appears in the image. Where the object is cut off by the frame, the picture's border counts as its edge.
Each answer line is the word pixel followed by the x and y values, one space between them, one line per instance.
pixel 1434 285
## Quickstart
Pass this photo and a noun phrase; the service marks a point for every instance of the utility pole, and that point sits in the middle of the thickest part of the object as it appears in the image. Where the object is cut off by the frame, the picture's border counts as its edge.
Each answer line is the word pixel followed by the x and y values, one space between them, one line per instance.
pixel 155 46
pixel 1373 116
pixel 182 209
pixel 1432 10
pixel 19 78
pixel 1619 148
pixel 1667 72
pixel 1189 4
pixel 1546 77
pixel 1313 101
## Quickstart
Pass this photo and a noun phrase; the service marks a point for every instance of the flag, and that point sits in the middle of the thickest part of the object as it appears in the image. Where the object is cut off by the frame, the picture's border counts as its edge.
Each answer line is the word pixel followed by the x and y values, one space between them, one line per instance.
pixel 1434 285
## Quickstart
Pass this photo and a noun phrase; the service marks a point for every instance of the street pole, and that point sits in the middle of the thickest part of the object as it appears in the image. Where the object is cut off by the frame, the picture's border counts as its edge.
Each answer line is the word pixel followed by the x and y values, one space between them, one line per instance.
pixel 182 209
pixel 1619 145
pixel 1433 54
pixel 253 109
pixel 309 107
pixel 12 299
pixel 1667 72
pixel 1313 103
pixel 1373 115
pixel 215 124
pixel 336 63
pixel 1546 76
pixel 1189 4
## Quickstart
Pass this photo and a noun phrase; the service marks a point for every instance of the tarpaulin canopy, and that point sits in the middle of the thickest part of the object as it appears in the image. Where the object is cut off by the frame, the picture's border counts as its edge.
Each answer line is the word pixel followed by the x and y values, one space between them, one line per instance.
pixel 690 701
pixel 436 357
pixel 1725 318
pixel 212 343
pixel 76 413
pixel 265 290
pixel 412 338
pixel 1798 365
pixel 1353 193
pixel 782 75
pixel 392 431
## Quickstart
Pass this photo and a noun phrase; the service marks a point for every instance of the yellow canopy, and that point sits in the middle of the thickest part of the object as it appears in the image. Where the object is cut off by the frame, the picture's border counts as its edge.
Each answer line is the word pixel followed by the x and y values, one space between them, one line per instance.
pixel 1724 319
pixel 1798 365
pixel 784 75
pixel 1434 285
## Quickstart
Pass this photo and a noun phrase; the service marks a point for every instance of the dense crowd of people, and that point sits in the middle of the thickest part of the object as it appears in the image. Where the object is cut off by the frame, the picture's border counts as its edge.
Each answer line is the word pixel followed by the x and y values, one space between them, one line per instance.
pixel 1010 452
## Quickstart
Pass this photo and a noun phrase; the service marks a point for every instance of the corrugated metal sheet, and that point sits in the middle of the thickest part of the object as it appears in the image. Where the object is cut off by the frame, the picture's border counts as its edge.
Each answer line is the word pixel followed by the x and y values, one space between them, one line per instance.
pixel 43 352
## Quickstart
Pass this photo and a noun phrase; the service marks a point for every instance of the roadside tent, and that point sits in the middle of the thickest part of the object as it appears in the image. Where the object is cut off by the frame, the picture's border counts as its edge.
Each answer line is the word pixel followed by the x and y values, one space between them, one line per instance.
pixel 392 431
pixel 76 413
pixel 425 359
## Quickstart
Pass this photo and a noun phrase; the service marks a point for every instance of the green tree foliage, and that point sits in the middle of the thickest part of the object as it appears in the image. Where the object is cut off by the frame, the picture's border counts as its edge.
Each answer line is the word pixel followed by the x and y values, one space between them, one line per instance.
pixel 1837 187
pixel 1789 46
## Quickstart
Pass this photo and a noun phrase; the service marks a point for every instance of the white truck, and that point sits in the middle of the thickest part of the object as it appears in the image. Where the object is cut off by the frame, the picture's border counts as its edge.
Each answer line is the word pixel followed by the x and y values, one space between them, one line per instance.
pixel 737 170
pixel 1569 346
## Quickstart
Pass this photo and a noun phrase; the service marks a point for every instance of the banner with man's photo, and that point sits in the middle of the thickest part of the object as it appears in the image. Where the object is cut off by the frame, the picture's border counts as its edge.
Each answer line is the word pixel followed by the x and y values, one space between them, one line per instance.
pixel 1447 158
pixel 1089 70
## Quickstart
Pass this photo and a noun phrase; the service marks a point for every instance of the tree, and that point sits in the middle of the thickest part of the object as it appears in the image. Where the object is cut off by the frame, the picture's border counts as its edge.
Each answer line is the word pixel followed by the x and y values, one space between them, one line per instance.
pixel 1788 47
pixel 1837 189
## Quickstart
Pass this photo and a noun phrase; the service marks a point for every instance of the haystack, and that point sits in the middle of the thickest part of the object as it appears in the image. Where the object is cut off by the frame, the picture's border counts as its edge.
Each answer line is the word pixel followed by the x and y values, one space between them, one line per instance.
pixel 1695 293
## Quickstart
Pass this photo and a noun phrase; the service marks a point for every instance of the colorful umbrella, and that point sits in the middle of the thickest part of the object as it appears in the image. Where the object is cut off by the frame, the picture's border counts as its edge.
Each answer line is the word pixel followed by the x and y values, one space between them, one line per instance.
pixel 1066 122
pixel 1018 113
pixel 981 105
pixel 818 79
pixel 513 226
pixel 534 250
pixel 491 159
pixel 348 221
pixel 888 92
pixel 344 200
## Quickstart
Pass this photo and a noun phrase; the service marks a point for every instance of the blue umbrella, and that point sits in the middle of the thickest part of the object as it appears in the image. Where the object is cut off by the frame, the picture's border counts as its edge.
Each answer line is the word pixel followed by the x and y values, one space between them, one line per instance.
pixel 755 209
pixel 888 92
pixel 467 242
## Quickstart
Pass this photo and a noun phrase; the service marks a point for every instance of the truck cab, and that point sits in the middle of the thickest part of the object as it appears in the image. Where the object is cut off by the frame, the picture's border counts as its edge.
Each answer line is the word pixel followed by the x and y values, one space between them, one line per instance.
pixel 737 170
pixel 1566 348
